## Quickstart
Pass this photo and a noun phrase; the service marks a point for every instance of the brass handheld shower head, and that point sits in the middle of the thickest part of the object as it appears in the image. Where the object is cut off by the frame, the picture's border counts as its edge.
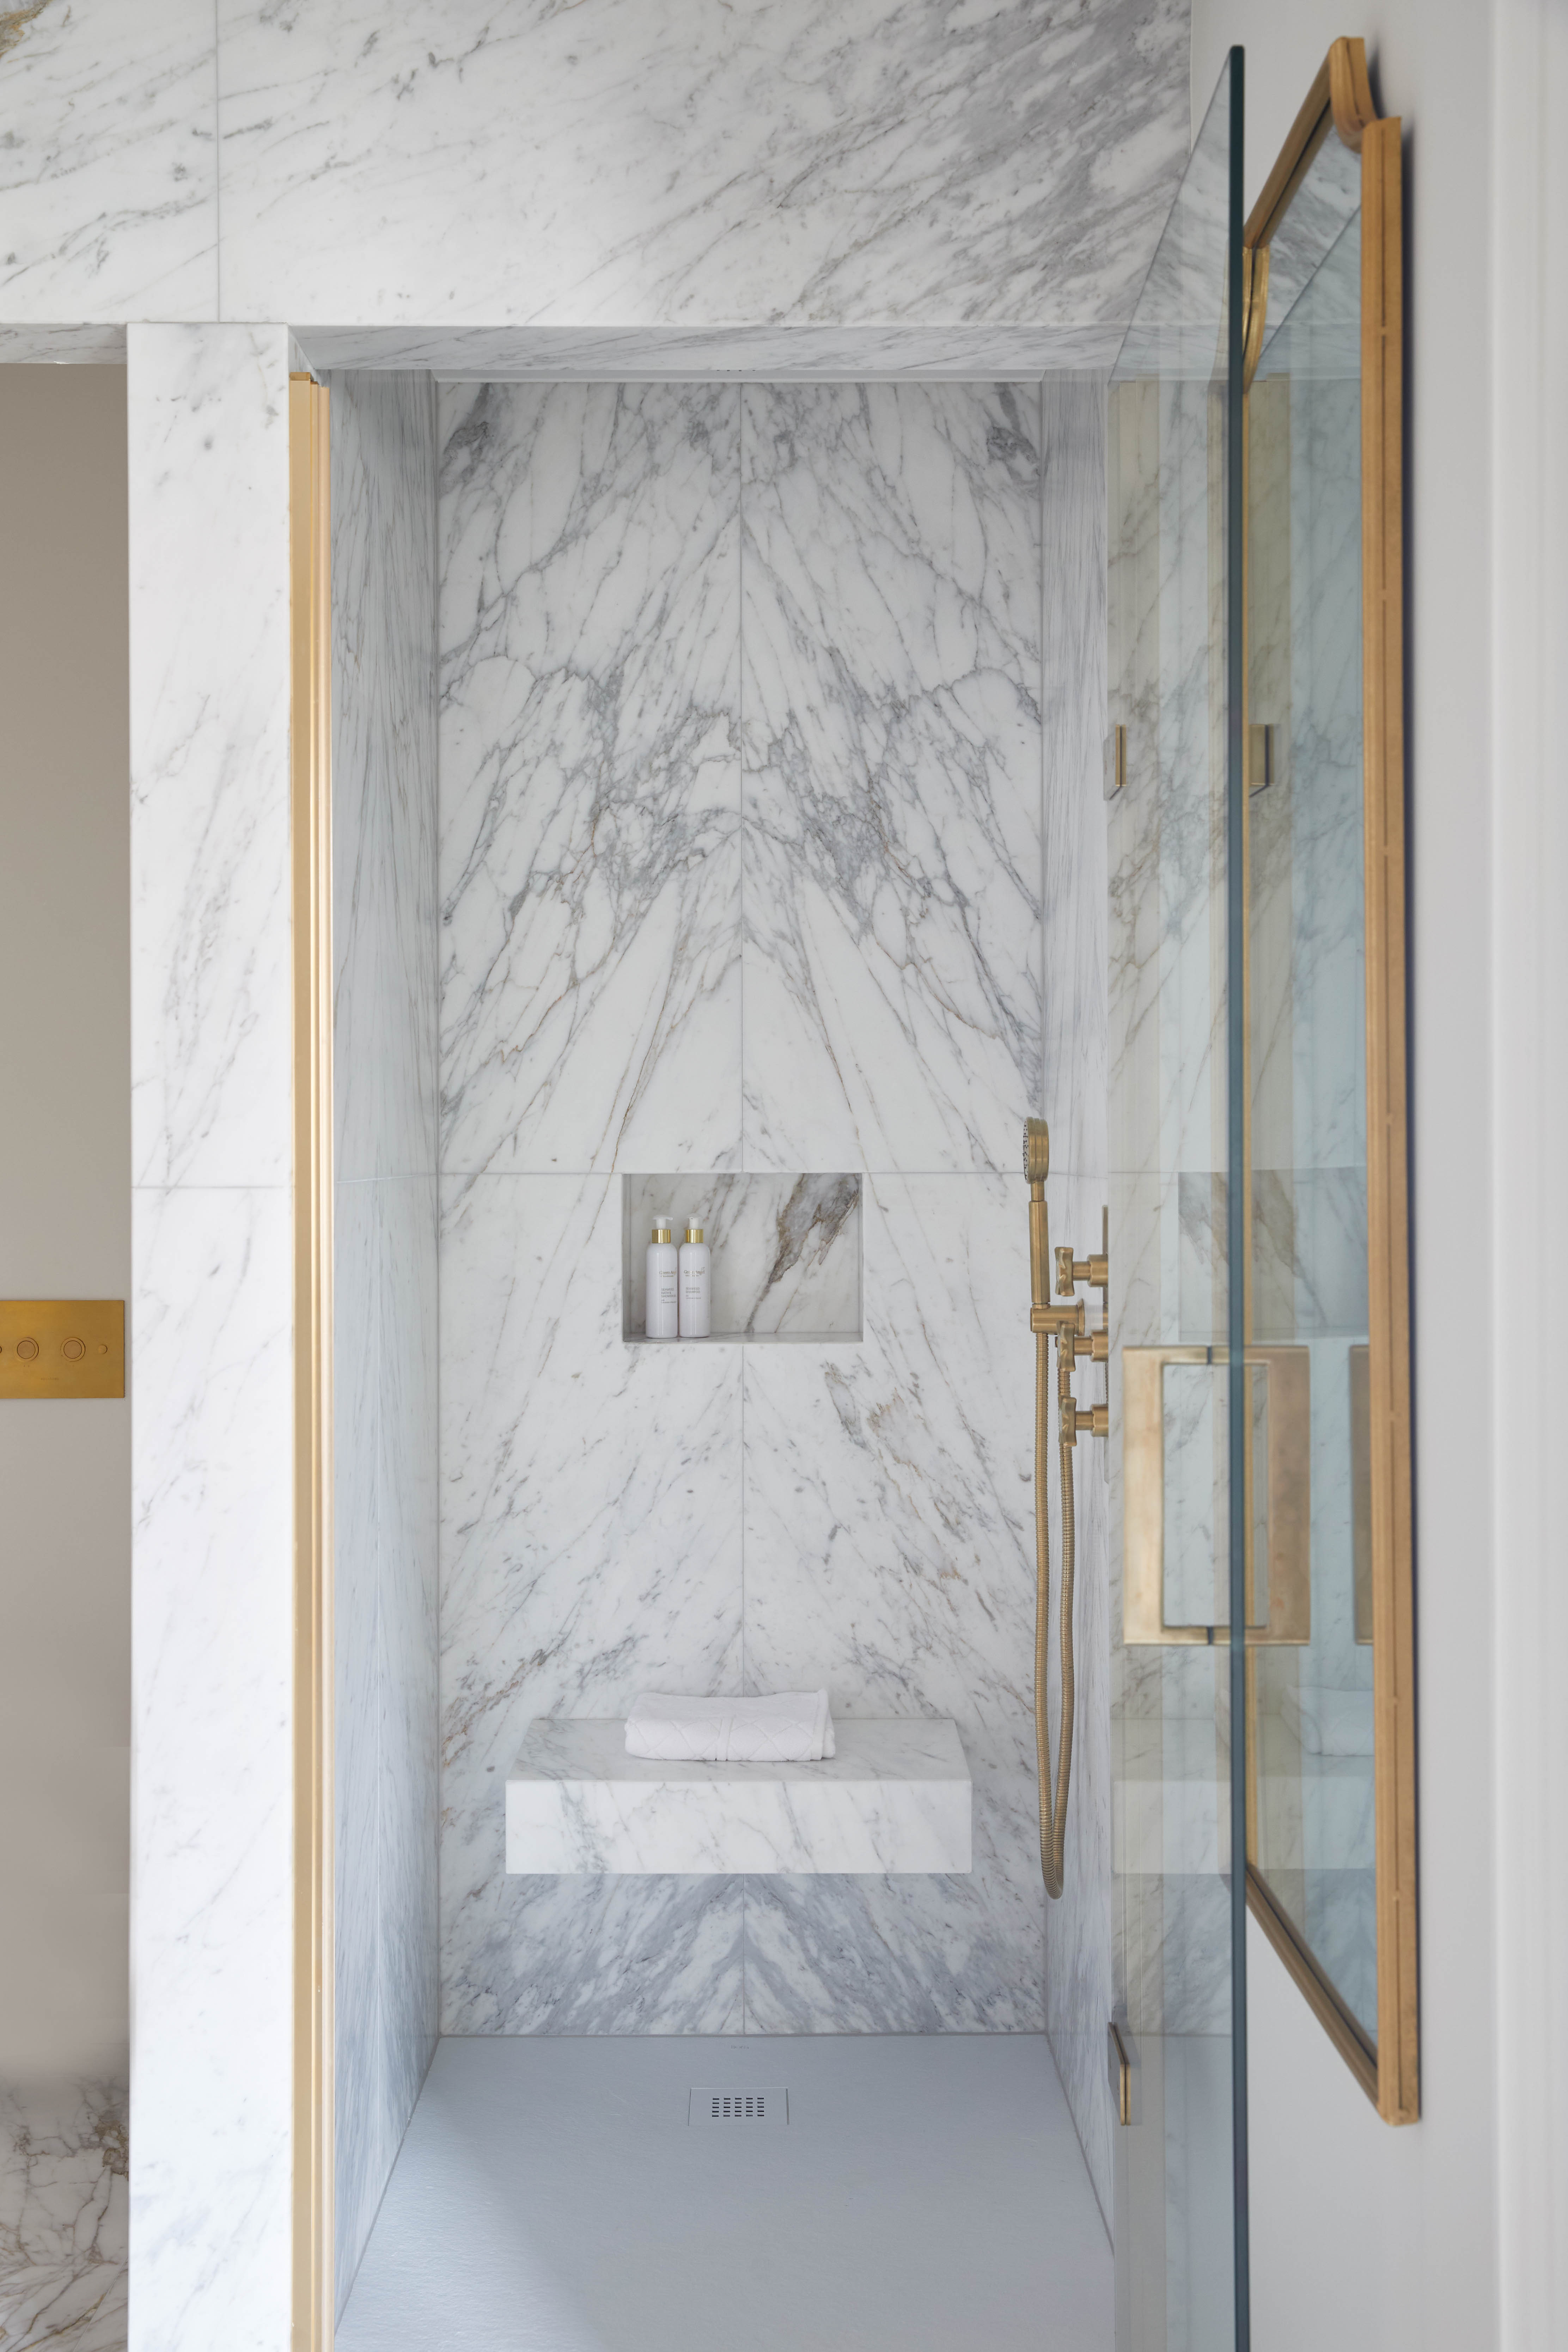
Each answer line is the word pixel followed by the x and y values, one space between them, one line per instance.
pixel 1036 1163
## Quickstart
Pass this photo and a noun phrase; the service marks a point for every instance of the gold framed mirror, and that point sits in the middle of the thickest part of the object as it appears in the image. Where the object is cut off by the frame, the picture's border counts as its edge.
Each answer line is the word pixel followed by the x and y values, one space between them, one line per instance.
pixel 1331 1745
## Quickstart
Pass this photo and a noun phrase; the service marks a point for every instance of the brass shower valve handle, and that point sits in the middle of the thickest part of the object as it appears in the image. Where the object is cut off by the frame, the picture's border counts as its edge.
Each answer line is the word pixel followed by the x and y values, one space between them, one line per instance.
pixel 1086 1420
pixel 1095 1345
pixel 1095 1271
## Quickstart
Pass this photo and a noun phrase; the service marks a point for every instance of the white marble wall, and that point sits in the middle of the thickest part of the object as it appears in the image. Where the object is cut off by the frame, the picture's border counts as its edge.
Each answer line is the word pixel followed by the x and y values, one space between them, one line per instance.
pixel 590 1542
pixel 804 815
pixel 1079 1991
pixel 109 174
pixel 383 439
pixel 1170 1750
pixel 890 683
pixel 684 164
pixel 63 2214
pixel 590 866
pixel 211 1331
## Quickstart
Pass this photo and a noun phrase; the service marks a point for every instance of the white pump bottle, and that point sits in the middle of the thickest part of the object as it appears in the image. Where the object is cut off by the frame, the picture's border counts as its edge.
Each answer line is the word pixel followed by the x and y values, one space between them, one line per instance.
pixel 661 1318
pixel 696 1286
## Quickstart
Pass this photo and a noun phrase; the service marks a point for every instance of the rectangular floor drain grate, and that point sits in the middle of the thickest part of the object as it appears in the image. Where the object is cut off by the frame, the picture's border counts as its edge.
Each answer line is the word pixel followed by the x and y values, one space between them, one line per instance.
pixel 725 2104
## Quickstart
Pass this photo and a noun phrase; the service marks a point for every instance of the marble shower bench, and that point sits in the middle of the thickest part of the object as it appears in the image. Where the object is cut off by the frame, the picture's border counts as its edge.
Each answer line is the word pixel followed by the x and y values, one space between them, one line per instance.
pixel 896 1798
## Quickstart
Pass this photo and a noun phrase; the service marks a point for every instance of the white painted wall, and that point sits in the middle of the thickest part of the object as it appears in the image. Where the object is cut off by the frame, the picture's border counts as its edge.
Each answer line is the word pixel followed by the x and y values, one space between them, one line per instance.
pixel 1363 2235
pixel 1530 1142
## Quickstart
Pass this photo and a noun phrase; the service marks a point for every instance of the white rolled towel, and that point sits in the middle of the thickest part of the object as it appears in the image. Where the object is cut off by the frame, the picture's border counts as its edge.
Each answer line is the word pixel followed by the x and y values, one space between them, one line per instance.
pixel 788 1727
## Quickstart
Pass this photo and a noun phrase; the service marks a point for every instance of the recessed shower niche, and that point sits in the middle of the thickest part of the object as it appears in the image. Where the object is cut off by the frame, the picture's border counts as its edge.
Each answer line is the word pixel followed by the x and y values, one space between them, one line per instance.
pixel 786 1254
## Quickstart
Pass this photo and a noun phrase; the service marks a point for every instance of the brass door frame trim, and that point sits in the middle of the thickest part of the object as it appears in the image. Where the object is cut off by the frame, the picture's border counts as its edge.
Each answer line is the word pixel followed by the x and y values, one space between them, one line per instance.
pixel 1289 1619
pixel 1340 101
pixel 1388 1179
pixel 1343 2028
pixel 1254 296
pixel 309 519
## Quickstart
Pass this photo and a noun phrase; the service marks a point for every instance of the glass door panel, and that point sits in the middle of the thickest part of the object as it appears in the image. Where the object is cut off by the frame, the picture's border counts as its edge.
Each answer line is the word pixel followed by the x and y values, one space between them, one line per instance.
pixel 1180 1542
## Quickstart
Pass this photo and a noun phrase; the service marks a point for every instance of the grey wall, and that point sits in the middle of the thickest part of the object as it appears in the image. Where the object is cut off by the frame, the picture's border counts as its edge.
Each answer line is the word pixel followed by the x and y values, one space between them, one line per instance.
pixel 65 1231
pixel 383 915
pixel 741 817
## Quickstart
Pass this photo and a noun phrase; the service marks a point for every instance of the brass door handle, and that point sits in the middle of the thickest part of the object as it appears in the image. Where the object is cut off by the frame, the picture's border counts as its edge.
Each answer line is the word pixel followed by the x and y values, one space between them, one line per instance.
pixel 1287 1498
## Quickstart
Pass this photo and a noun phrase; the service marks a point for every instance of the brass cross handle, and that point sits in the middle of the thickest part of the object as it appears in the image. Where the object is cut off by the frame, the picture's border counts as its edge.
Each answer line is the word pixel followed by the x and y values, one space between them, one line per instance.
pixel 1073 1341
pixel 1091 1420
pixel 1095 1271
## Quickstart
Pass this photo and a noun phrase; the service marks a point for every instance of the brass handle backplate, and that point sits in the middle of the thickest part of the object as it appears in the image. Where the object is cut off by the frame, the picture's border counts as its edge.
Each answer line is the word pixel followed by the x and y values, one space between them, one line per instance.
pixel 1074 1339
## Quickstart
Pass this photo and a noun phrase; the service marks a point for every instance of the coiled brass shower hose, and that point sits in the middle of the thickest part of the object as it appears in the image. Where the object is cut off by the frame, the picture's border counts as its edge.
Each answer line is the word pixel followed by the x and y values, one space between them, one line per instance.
pixel 1066 1325
pixel 1053 1800
pixel 1052 1786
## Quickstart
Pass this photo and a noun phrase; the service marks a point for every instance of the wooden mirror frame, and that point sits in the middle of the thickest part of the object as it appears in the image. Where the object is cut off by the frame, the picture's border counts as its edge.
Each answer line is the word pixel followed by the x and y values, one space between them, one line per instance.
pixel 1340 104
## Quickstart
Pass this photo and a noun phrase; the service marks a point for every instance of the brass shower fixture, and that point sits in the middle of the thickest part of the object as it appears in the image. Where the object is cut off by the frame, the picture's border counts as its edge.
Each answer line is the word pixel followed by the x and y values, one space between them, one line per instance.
pixel 1067 1326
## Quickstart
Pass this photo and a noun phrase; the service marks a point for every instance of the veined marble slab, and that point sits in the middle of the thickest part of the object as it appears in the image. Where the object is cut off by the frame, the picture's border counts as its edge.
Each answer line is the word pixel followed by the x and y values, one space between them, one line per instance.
pixel 109 167
pixel 590 777
pixel 896 1798
pixel 386 1738
pixel 696 165
pixel 890 664
pixel 593 1493
pixel 66 346
pixel 791 351
pixel 63 2263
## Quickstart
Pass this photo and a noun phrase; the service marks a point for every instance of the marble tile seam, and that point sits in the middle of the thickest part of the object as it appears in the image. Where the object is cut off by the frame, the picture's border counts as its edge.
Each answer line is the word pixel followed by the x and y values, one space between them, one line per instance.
pixel 232 1184
pixel 734 1175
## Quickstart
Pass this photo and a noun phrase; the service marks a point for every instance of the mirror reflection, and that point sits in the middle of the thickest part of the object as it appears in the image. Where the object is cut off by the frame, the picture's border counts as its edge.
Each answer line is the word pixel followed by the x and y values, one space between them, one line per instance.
pixel 1312 1802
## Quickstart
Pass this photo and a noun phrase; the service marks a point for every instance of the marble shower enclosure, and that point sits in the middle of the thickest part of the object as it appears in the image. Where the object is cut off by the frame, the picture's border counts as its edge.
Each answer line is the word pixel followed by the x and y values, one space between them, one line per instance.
pixel 1078 1975
pixel 384 1334
pixel 741 736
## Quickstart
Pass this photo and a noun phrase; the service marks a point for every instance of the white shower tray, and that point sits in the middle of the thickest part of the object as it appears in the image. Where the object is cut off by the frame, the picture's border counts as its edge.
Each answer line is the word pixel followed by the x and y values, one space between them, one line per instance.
pixel 896 1798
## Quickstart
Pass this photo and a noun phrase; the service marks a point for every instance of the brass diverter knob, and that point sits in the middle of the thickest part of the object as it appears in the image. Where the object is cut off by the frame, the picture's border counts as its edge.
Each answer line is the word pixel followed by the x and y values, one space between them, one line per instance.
pixel 1095 1271
pixel 1088 1420
pixel 1062 1323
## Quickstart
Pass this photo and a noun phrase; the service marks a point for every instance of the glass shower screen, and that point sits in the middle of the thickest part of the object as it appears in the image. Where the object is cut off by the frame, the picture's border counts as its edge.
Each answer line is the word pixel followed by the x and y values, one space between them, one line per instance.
pixel 1185 1432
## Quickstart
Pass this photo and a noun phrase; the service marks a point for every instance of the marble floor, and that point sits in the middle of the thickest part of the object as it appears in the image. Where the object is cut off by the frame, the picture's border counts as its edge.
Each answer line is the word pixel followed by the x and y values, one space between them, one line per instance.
pixel 927 2193
pixel 62 2217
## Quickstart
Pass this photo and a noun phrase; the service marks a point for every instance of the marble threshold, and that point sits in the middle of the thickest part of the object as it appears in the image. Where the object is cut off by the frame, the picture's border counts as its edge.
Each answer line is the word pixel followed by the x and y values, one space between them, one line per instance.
pixel 896 1798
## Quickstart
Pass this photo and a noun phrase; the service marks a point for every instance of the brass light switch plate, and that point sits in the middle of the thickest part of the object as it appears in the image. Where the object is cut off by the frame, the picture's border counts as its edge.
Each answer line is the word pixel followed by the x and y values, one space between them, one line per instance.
pixel 62 1348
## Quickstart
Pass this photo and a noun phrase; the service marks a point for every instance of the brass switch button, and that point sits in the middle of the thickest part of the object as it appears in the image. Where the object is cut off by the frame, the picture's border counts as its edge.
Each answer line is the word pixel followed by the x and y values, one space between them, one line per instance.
pixel 62 1348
